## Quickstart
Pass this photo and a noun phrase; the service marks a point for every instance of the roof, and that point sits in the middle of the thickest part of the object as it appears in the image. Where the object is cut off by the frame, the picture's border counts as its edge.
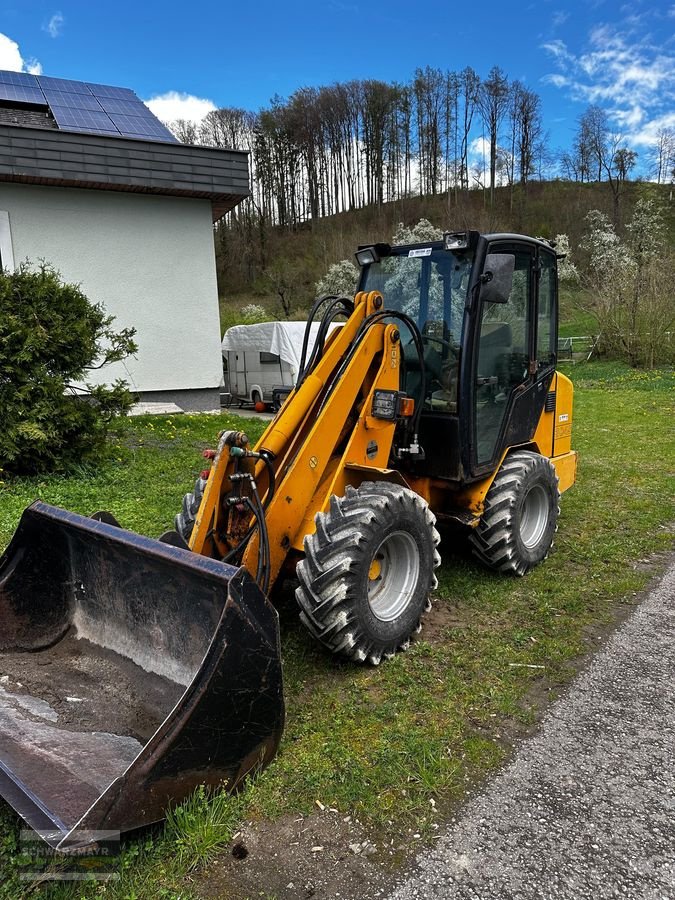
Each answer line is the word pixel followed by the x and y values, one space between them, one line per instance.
pixel 81 106
pixel 79 134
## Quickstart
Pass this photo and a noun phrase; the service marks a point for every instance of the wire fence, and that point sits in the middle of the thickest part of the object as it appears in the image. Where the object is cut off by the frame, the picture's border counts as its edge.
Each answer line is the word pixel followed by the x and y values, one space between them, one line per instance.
pixel 574 349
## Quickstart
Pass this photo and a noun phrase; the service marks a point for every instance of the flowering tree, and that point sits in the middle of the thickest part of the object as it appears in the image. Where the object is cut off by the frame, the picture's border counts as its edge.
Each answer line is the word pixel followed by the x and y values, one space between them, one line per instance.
pixel 567 271
pixel 423 231
pixel 629 283
pixel 252 313
pixel 340 278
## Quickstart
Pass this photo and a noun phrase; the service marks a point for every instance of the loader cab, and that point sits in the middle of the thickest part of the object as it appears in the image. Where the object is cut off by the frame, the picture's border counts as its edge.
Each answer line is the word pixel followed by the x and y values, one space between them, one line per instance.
pixel 486 308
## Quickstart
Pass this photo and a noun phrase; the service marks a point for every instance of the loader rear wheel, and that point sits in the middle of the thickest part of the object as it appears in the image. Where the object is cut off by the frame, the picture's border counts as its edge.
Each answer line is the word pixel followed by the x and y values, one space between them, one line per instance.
pixel 368 571
pixel 516 529
pixel 185 520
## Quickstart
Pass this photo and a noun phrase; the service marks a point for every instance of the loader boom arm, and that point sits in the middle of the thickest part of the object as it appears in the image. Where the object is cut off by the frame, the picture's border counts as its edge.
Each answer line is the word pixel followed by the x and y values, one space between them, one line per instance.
pixel 320 441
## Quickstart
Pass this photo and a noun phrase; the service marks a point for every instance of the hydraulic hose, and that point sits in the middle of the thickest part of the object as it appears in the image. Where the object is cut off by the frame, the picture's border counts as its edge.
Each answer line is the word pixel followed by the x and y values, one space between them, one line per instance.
pixel 331 312
pixel 360 334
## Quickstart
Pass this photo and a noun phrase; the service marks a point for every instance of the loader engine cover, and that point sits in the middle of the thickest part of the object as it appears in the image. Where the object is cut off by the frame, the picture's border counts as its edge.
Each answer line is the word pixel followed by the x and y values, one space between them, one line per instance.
pixel 131 672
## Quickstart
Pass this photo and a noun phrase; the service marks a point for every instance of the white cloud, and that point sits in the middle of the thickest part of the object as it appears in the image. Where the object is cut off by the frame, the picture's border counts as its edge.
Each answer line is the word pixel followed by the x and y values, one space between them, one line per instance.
pixel 176 105
pixel 647 136
pixel 55 25
pixel 558 49
pixel 11 59
pixel 629 76
pixel 479 149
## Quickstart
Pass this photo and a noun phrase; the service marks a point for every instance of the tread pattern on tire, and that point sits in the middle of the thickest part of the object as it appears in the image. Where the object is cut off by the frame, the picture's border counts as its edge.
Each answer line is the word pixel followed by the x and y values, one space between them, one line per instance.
pixel 185 520
pixel 494 540
pixel 325 591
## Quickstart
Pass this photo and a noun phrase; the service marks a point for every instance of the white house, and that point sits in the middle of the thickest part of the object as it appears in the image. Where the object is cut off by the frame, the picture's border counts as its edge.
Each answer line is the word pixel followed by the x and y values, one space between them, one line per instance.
pixel 93 183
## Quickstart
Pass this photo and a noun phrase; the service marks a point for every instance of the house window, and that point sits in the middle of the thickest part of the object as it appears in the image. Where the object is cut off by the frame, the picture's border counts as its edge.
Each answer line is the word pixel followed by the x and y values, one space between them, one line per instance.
pixel 6 252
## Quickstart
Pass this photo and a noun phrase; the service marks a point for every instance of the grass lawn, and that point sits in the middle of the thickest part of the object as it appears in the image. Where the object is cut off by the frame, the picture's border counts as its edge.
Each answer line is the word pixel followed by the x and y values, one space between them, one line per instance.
pixel 379 743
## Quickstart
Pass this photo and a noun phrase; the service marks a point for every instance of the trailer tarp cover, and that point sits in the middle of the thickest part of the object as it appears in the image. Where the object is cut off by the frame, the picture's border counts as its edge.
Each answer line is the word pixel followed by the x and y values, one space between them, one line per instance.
pixel 281 338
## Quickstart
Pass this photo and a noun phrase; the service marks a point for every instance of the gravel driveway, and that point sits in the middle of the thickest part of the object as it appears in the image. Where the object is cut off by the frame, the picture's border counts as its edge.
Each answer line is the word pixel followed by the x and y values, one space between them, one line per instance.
pixel 587 807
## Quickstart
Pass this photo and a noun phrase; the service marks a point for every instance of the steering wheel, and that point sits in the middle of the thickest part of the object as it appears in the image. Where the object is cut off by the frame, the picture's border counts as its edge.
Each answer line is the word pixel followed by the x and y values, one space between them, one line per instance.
pixel 428 338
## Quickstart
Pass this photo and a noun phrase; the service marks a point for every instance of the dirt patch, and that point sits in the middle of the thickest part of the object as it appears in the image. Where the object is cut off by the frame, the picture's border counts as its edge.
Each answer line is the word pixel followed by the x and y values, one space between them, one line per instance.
pixel 89 688
pixel 442 616
pixel 324 856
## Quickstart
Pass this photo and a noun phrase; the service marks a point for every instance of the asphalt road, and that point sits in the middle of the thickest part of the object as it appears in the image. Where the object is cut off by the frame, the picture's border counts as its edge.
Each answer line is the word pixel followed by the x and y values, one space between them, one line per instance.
pixel 587 807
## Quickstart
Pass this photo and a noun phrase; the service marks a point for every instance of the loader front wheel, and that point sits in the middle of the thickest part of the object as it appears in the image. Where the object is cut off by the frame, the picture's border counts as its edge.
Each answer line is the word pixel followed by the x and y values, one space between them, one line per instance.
pixel 368 571
pixel 184 522
pixel 516 529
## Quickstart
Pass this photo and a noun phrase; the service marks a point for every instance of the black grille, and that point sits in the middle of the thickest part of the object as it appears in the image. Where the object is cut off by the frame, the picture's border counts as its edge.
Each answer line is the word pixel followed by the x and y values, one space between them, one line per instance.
pixel 549 406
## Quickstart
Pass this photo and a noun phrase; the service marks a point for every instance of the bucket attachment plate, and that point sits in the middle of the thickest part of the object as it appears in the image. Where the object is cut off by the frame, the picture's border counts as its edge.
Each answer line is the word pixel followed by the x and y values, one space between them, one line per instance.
pixel 131 671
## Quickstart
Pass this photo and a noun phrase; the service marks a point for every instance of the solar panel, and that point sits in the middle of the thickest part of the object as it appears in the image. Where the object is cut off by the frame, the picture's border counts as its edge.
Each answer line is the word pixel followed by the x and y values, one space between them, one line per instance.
pixel 82 118
pixel 19 78
pixel 124 107
pixel 63 84
pixel 21 93
pixel 75 101
pixel 85 107
pixel 139 127
pixel 105 90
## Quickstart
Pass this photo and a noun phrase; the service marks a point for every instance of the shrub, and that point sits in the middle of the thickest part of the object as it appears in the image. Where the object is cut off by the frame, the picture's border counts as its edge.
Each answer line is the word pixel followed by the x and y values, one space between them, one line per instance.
pixel 51 336
pixel 423 231
pixel 629 283
pixel 252 313
pixel 340 279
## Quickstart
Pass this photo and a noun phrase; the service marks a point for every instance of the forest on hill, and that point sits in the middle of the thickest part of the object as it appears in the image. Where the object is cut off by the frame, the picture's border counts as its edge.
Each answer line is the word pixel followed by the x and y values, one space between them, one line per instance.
pixel 257 262
pixel 343 164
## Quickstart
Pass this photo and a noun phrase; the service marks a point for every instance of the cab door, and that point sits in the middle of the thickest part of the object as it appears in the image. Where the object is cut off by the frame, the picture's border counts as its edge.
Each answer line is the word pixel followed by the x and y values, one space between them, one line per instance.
pixel 514 352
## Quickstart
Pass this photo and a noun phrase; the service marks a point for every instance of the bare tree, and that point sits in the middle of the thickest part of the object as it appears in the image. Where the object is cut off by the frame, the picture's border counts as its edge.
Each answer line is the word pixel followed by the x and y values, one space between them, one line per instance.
pixel 430 102
pixel 493 99
pixel 185 130
pixel 594 138
pixel 663 156
pixel 607 152
pixel 470 89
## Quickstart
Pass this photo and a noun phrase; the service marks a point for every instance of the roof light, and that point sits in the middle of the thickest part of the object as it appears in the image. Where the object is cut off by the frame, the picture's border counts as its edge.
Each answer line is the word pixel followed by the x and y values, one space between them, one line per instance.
pixel 372 254
pixel 456 240
pixel 366 256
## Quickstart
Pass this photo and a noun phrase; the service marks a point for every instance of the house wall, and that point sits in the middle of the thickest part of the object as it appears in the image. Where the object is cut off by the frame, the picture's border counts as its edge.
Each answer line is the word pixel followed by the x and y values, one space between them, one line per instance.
pixel 148 259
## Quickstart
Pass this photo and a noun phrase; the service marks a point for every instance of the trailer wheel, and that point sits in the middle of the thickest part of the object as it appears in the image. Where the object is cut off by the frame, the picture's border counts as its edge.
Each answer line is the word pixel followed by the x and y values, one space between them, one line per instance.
pixel 516 529
pixel 368 571
pixel 185 520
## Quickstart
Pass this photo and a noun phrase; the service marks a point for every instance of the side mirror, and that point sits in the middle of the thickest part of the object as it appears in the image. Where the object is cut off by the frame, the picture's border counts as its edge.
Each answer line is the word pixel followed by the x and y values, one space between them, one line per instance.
pixel 497 277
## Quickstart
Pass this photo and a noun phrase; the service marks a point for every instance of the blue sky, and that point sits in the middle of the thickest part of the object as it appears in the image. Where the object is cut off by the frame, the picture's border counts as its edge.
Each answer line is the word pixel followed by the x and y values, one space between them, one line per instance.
pixel 225 54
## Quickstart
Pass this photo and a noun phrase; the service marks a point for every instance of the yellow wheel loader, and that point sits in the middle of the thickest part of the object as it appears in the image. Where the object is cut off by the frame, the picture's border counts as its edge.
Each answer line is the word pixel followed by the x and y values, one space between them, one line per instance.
pixel 135 669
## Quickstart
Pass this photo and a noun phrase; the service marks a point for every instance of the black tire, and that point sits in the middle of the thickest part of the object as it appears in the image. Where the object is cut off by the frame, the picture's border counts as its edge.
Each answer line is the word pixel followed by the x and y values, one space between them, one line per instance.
pixel 185 520
pixel 256 397
pixel 368 571
pixel 516 529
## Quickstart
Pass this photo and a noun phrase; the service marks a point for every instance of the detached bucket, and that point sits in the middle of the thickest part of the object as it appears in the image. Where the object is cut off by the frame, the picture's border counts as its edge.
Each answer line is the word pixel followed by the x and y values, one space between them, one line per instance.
pixel 131 671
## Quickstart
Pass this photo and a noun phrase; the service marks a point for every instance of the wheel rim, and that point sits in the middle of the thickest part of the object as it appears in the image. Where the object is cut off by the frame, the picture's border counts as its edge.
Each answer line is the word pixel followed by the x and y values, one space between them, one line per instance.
pixel 393 575
pixel 534 516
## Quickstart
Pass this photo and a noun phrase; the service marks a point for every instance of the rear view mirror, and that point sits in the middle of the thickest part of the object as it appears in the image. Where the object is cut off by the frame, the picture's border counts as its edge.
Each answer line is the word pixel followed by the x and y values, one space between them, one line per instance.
pixel 497 277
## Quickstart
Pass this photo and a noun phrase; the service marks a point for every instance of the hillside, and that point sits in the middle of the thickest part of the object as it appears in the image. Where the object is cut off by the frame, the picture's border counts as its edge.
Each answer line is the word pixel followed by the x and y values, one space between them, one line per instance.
pixel 256 263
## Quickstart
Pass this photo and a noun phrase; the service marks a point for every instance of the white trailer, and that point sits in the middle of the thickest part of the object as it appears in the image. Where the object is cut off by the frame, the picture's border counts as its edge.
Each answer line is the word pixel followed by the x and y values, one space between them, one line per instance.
pixel 264 356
